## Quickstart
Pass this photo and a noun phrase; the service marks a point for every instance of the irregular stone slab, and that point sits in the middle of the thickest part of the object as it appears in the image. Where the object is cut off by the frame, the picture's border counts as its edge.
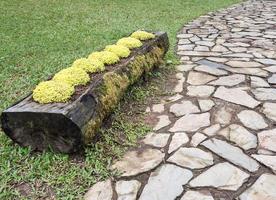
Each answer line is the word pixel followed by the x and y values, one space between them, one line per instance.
pixel 205 43
pixel 157 140
pixel 178 140
pixel 127 190
pixel 185 47
pixel 100 191
pixel 229 80
pixel 242 64
pixel 238 55
pixel 201 48
pixel 197 139
pixel 134 162
pixel 267 139
pixel 269 109
pixel 231 153
pixel 213 62
pixel 265 93
pixel 252 119
pixel 198 53
pixel 237 96
pixel 218 59
pixel 249 71
pixel 238 49
pixel 211 70
pixel 267 61
pixel 271 69
pixel 159 108
pixel 196 195
pixel 197 78
pixel 183 108
pixel 200 91
pixel 267 160
pixel 212 130
pixel 240 136
pixel 185 35
pixel 272 79
pixel 264 188
pixel 181 80
pixel 170 177
pixel 223 115
pixel 219 48
pixel 163 122
pixel 216 177
pixel 184 68
pixel 191 122
pixel 258 82
pixel 206 104
pixel 192 158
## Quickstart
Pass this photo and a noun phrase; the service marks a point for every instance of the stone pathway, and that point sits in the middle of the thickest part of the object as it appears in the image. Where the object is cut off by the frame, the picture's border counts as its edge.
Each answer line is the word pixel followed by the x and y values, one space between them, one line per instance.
pixel 215 138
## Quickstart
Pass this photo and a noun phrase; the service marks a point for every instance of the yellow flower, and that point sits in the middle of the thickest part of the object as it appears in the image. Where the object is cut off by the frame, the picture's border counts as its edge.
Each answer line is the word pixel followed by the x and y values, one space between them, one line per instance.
pixel 130 42
pixel 105 56
pixel 87 65
pixel 142 35
pixel 52 91
pixel 119 50
pixel 72 76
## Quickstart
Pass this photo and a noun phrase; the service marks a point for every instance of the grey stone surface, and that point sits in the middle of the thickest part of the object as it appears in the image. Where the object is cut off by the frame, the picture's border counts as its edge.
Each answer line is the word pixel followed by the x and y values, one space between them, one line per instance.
pixel 192 158
pixel 167 176
pixel 191 122
pixel 100 191
pixel 156 140
pixel 217 177
pixel 127 190
pixel 134 162
pixel 178 140
pixel 252 119
pixel 231 153
pixel 237 96
pixel 162 122
pixel 183 108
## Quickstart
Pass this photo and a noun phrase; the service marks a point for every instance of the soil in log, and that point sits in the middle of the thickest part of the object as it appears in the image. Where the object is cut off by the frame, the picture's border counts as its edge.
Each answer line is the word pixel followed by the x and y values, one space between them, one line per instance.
pixel 68 127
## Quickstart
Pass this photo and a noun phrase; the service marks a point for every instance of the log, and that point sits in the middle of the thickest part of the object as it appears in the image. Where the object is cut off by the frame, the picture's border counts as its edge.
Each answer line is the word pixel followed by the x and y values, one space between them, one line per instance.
pixel 68 127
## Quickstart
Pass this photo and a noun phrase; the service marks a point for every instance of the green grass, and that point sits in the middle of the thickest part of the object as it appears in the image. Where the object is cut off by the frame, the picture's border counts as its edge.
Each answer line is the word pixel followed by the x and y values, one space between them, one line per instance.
pixel 37 39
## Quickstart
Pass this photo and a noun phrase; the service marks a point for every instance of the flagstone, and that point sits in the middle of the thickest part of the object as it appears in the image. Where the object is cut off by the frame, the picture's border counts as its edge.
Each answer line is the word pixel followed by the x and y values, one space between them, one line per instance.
pixel 197 139
pixel 165 183
pixel 200 91
pixel 265 93
pixel 192 158
pixel 231 80
pixel 211 70
pixel 240 136
pixel 267 160
pixel 269 109
pixel 178 140
pixel 127 190
pixel 252 119
pixel 258 82
pixel 156 139
pixel 264 188
pixel 267 139
pixel 183 108
pixel 206 104
pixel 217 177
pixel 197 78
pixel 191 122
pixel 237 96
pixel 162 122
pixel 197 195
pixel 100 191
pixel 135 162
pixel 241 64
pixel 231 153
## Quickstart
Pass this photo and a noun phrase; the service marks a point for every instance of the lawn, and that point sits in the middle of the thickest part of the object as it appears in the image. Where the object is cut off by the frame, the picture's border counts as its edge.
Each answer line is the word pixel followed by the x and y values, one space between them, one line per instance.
pixel 37 39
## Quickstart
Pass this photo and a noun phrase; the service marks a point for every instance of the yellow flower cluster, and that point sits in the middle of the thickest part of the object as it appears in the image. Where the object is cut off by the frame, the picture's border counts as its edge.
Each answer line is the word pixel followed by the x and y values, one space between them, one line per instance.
pixel 106 57
pixel 142 35
pixel 90 66
pixel 61 87
pixel 130 42
pixel 72 76
pixel 119 50
pixel 52 91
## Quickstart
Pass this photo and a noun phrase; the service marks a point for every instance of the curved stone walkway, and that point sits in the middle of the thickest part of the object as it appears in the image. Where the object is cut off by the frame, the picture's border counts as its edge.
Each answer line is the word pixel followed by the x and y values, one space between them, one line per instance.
pixel 215 138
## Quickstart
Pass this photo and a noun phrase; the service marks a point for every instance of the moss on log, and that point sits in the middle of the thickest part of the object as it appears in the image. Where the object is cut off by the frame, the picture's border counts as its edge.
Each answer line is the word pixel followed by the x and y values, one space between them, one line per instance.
pixel 68 127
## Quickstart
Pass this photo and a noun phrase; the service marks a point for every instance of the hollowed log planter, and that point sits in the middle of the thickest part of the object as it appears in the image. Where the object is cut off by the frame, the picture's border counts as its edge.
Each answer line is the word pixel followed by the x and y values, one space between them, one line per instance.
pixel 67 127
